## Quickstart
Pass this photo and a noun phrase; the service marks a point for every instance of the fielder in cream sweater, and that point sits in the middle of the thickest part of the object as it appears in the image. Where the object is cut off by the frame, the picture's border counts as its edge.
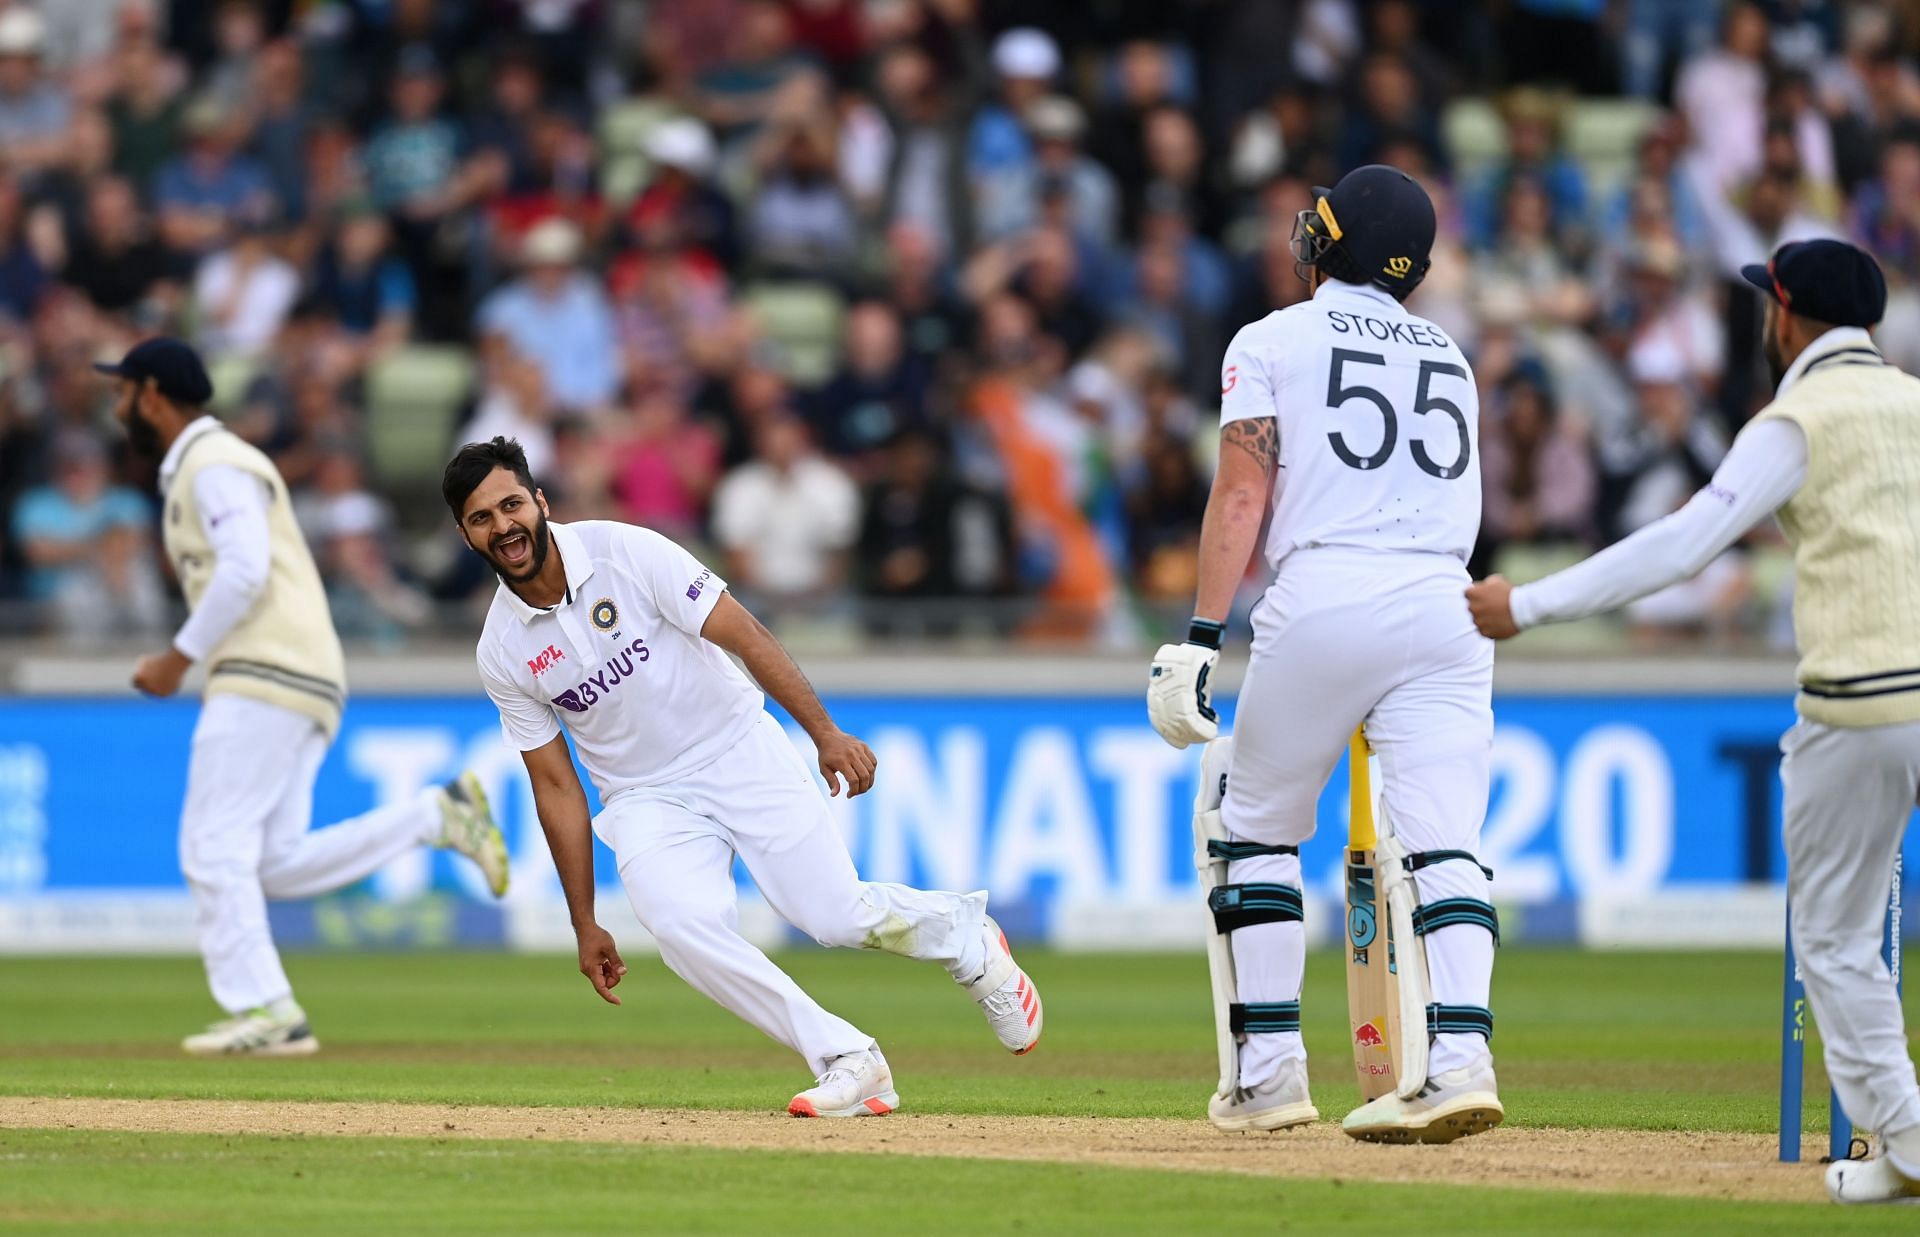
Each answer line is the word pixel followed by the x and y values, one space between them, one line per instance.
pixel 276 683
pixel 1837 457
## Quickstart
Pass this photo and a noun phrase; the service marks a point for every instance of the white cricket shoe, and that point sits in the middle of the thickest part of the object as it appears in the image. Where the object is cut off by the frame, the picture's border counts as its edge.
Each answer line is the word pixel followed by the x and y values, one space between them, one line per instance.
pixel 858 1084
pixel 1452 1105
pixel 1276 1105
pixel 1007 996
pixel 467 826
pixel 1870 1181
pixel 256 1033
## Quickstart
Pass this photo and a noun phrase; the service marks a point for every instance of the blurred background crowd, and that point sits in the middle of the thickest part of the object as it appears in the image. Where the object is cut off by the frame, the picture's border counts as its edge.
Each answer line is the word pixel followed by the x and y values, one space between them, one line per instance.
pixel 907 313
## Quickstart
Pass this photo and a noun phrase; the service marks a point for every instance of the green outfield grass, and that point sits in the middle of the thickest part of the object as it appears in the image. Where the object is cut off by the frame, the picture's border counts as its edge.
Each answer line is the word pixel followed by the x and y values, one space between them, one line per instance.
pixel 1585 1040
pixel 1597 1039
pixel 69 1182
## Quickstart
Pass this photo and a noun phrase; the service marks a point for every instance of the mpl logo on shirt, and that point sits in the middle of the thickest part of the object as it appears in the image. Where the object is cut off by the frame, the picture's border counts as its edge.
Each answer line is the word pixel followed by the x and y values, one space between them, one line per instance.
pixel 620 666
pixel 545 660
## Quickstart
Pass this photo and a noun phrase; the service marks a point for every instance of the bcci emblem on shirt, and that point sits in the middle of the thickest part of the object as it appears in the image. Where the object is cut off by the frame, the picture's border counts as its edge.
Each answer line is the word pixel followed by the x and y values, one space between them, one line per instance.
pixel 605 614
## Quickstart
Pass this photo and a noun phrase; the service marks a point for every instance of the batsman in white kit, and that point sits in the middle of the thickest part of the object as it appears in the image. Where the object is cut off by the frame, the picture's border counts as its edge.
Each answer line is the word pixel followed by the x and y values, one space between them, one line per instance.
pixel 1360 421
pixel 1836 457
pixel 276 685
pixel 623 636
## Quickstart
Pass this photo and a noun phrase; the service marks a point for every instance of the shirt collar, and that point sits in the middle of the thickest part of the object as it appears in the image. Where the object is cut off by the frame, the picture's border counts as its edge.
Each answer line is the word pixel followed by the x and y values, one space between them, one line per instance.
pixel 1839 339
pixel 573 555
pixel 171 463
pixel 1363 291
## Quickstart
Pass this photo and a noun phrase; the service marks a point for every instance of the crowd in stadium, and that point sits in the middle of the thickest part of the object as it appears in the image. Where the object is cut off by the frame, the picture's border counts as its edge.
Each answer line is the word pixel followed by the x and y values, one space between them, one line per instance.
pixel 886 303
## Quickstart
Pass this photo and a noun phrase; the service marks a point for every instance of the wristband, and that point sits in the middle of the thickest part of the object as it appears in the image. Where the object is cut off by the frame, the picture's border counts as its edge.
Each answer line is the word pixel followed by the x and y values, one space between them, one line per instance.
pixel 1205 632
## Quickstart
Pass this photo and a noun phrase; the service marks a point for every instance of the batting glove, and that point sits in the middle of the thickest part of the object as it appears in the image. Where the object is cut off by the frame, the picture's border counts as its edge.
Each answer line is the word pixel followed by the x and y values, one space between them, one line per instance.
pixel 1178 701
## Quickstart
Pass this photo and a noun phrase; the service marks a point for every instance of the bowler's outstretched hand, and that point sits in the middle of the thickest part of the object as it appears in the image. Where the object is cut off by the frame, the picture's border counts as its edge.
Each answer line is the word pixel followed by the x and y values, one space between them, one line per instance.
pixel 844 757
pixel 600 961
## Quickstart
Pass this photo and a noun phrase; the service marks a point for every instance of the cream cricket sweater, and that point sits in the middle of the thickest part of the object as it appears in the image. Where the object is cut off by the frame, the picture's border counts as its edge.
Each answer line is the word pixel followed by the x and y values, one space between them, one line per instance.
pixel 1854 526
pixel 284 651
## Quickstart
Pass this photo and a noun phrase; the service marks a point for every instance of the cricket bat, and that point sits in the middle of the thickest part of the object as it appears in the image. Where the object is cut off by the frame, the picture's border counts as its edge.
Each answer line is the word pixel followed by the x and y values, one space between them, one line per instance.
pixel 1373 979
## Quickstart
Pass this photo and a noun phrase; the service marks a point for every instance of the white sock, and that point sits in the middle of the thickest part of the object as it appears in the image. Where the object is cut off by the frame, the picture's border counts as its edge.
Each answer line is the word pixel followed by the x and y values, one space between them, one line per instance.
pixel 1902 1149
pixel 284 1008
pixel 1460 964
pixel 1269 960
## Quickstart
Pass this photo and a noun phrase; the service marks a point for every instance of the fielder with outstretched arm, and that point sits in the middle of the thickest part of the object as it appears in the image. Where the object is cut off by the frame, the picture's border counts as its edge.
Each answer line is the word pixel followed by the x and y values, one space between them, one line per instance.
pixel 276 685
pixel 623 636
pixel 1365 419
pixel 1837 457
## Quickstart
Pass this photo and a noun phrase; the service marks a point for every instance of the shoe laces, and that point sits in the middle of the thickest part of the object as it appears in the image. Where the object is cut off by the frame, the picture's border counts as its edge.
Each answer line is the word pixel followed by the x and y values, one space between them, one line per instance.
pixel 1002 1001
pixel 840 1073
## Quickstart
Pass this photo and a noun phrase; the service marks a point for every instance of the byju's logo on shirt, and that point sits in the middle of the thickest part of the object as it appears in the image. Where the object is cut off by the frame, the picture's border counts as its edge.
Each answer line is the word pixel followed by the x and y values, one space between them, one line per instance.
pixel 699 583
pixel 620 666
pixel 545 661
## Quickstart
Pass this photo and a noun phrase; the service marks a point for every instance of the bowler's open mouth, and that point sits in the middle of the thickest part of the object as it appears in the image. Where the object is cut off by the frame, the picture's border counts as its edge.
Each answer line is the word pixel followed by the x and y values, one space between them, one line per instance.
pixel 514 548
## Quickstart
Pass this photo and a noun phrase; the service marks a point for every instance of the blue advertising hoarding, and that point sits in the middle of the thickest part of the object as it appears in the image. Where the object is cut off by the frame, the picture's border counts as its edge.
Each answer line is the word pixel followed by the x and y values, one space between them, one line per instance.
pixel 1044 801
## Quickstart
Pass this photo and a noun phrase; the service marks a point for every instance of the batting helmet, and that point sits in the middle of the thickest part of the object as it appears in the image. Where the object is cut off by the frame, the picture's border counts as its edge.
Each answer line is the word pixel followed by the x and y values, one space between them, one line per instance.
pixel 1375 226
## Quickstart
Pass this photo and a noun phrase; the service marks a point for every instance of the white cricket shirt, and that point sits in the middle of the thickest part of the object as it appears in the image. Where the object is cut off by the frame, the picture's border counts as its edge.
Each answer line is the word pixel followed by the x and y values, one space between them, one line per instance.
pixel 620 661
pixel 1379 424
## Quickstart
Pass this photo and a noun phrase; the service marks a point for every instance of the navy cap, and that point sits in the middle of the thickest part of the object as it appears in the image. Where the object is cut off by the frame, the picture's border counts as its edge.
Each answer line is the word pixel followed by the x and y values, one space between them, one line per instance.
pixel 175 368
pixel 1826 280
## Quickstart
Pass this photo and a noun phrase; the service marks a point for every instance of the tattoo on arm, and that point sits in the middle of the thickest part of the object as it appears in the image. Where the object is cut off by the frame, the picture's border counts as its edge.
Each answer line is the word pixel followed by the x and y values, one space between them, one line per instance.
pixel 1259 437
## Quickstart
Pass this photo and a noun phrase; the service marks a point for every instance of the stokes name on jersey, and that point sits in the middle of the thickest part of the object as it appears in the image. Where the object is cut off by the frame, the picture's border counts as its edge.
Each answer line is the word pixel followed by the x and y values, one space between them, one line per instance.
pixel 1378 421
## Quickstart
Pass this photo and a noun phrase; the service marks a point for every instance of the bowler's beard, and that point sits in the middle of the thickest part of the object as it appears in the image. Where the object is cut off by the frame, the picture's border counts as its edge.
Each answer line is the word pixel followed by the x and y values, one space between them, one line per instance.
pixel 542 542
pixel 1776 363
pixel 141 434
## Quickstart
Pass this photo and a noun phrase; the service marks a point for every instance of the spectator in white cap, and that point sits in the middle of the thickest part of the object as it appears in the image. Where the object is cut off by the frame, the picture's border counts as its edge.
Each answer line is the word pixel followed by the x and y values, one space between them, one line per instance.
pixel 681 207
pixel 35 113
pixel 558 316
pixel 1000 156
pixel 1026 60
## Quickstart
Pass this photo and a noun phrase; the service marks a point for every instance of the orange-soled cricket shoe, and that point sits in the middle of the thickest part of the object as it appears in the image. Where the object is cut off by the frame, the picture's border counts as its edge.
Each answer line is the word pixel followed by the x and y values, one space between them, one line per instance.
pixel 858 1084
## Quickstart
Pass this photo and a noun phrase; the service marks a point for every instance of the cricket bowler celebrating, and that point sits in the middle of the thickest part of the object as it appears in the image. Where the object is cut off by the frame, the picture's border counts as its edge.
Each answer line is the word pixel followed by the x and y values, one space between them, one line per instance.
pixel 1361 421
pixel 275 689
pixel 623 636
pixel 1837 457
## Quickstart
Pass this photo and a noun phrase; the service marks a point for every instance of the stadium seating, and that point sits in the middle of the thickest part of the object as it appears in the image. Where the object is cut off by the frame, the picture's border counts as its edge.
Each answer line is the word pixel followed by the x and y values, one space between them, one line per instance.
pixel 802 321
pixel 414 398
pixel 231 375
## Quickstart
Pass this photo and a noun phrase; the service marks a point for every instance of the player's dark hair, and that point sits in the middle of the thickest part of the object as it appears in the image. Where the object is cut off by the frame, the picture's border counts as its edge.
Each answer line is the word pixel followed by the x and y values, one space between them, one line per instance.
pixel 474 463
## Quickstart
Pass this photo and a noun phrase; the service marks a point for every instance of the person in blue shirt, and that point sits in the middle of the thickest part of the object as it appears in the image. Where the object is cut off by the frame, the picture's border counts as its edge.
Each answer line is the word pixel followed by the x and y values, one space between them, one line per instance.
pixel 1000 153
pixel 559 316
pixel 199 195
pixel 413 159
pixel 1533 153
pixel 368 290
pixel 85 541
pixel 418 173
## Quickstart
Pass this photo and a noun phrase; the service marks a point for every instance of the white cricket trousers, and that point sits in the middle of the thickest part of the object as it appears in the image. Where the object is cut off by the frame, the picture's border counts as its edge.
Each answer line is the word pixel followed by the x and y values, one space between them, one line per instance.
pixel 1340 638
pixel 1849 793
pixel 675 847
pixel 244 838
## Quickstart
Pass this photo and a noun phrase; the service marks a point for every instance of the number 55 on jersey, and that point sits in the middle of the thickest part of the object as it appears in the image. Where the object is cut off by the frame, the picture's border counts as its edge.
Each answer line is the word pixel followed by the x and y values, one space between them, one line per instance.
pixel 1377 420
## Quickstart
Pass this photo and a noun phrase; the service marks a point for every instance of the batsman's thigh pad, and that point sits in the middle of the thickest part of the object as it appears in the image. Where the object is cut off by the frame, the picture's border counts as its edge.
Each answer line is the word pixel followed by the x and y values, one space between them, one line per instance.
pixel 1291 727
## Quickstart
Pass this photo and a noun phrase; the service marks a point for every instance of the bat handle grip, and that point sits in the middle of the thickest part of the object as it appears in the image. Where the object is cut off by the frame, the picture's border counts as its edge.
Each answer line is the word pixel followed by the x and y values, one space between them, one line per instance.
pixel 1361 834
